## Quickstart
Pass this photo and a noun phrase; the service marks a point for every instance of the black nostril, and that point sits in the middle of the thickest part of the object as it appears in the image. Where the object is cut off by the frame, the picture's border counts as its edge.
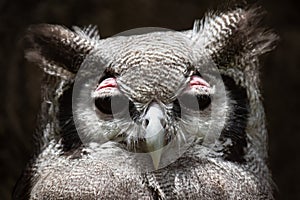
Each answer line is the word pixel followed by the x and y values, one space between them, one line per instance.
pixel 176 109
pixel 163 123
pixel 145 123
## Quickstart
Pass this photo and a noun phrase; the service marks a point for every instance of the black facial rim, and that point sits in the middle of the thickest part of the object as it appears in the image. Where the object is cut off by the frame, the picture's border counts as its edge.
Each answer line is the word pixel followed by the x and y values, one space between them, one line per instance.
pixel 236 123
pixel 70 138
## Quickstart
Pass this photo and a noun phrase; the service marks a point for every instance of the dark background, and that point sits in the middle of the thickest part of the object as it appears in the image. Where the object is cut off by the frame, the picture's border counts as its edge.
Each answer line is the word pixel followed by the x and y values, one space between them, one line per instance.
pixel 20 81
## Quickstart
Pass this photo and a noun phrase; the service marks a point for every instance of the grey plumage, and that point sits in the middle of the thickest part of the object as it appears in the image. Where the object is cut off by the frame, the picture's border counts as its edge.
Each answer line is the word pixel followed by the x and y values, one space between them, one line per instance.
pixel 155 66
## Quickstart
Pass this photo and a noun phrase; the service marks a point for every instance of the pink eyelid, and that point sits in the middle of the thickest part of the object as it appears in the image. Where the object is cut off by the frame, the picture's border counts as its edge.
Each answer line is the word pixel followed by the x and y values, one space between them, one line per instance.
pixel 111 83
pixel 107 83
pixel 198 81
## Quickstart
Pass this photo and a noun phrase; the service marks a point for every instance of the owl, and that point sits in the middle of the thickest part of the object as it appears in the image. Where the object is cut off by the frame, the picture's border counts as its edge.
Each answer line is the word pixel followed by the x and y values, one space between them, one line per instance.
pixel 151 113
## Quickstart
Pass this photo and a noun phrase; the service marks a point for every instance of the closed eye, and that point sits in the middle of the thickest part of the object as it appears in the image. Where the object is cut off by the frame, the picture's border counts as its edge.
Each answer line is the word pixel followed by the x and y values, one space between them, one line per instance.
pixel 196 97
pixel 111 104
pixel 108 99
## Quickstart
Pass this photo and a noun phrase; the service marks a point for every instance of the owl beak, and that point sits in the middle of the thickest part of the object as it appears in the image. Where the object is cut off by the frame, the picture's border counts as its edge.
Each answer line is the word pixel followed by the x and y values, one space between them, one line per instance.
pixel 154 124
pixel 156 155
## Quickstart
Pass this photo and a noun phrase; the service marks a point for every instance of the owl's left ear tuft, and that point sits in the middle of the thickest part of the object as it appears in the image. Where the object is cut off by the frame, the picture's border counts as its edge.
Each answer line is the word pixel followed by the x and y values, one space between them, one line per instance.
pixel 234 36
pixel 254 38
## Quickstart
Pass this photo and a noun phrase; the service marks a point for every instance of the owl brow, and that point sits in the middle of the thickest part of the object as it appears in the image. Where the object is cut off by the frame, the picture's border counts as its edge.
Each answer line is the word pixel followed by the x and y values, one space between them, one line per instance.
pixel 189 70
pixel 197 73
pixel 108 73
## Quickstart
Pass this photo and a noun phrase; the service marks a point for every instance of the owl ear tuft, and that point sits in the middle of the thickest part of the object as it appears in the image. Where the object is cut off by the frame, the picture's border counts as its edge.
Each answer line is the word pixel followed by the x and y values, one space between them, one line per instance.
pixel 234 36
pixel 56 49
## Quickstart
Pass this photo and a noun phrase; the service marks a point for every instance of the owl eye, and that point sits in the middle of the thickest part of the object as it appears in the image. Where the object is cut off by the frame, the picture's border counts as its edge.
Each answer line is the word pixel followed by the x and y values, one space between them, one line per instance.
pixel 195 102
pixel 111 105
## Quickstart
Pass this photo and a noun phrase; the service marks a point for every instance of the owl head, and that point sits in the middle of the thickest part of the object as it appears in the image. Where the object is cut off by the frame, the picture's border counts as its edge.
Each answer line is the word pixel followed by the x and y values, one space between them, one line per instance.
pixel 156 91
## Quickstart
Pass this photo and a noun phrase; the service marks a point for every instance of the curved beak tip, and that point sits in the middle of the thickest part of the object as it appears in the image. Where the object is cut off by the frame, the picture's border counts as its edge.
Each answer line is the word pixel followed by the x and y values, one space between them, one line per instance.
pixel 156 156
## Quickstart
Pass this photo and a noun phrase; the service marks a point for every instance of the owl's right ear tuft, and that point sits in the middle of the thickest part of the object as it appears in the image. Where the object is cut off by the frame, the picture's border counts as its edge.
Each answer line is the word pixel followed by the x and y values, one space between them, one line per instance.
pixel 56 49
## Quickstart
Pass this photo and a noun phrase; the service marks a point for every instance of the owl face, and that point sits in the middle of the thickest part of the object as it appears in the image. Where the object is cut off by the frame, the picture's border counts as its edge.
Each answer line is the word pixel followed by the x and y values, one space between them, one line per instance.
pixel 151 95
